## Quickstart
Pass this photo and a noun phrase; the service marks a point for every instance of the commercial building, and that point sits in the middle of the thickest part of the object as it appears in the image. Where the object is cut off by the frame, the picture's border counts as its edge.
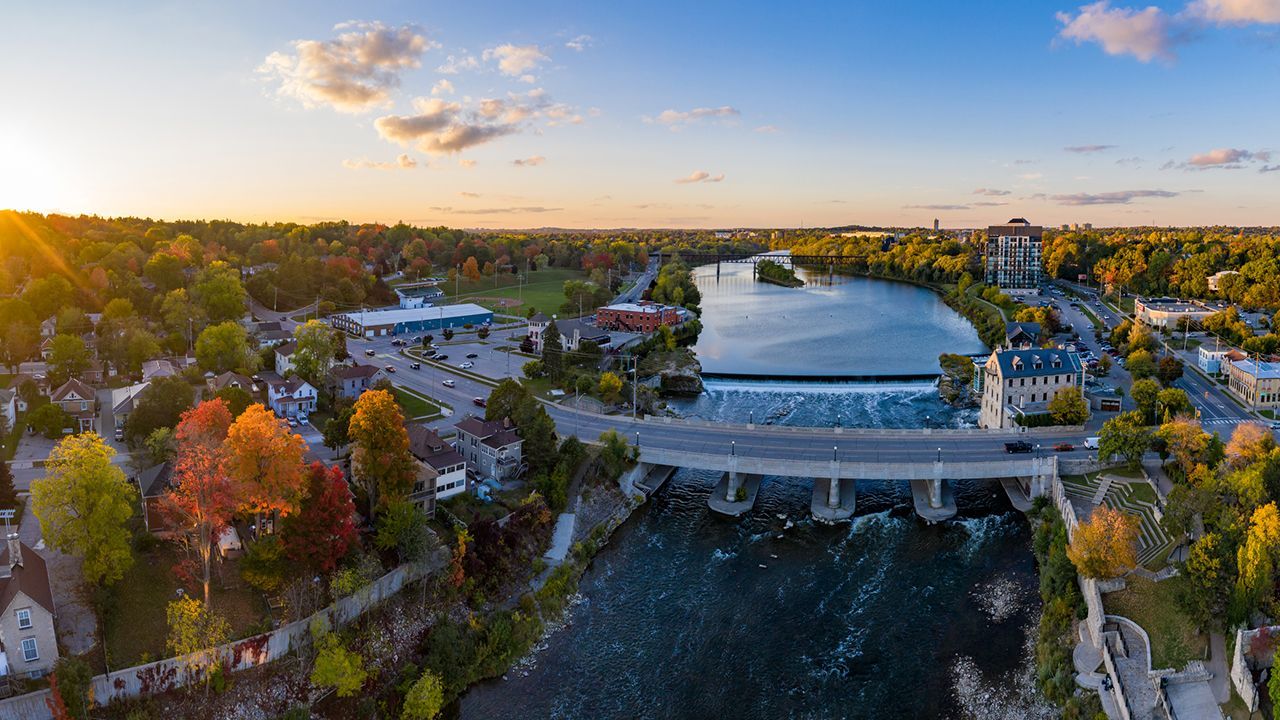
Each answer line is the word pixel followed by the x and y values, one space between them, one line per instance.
pixel 572 332
pixel 641 317
pixel 1257 384
pixel 375 323
pixel 1212 362
pixel 1018 383
pixel 442 471
pixel 491 447
pixel 1166 312
pixel 1013 255
pixel 1215 279
pixel 416 296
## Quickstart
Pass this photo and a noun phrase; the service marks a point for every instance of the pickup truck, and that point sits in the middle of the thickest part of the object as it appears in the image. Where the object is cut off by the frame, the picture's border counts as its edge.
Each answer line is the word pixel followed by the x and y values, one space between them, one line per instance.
pixel 1019 446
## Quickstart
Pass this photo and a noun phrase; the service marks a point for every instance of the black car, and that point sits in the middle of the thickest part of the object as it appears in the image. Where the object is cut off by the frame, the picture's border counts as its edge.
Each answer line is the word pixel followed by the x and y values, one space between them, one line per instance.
pixel 1020 446
pixel 440 358
pixel 415 366
pixel 472 356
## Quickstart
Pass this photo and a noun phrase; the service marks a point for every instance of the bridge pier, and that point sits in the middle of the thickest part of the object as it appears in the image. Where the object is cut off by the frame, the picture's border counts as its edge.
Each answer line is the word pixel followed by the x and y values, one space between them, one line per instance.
pixel 834 500
pixel 932 497
pixel 726 502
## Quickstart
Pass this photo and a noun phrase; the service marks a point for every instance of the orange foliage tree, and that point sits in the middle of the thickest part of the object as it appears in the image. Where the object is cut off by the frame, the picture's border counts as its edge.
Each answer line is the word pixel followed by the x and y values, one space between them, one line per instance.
pixel 264 460
pixel 471 269
pixel 381 462
pixel 1106 546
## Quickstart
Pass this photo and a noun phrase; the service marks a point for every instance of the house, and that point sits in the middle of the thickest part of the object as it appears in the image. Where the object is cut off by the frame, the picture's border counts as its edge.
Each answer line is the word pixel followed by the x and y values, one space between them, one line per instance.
pixel 270 334
pixel 154 484
pixel 228 379
pixel 290 398
pixel 77 400
pixel 1021 335
pixel 164 367
pixel 536 325
pixel 491 447
pixel 9 408
pixel 1214 281
pixel 350 381
pixel 94 374
pixel 418 295
pixel 49 327
pixel 1210 361
pixel 284 357
pixel 442 469
pixel 122 403
pixel 572 332
pixel 28 640
pixel 46 349
pixel 1020 383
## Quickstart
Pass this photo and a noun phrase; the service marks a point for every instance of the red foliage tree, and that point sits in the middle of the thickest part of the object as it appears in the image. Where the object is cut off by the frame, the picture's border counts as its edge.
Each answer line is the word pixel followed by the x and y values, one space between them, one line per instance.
pixel 319 535
pixel 57 707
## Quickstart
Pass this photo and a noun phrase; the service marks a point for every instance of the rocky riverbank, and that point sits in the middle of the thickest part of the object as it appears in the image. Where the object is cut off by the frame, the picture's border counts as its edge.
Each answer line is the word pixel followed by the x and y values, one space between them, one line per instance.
pixel 955 387
pixel 677 372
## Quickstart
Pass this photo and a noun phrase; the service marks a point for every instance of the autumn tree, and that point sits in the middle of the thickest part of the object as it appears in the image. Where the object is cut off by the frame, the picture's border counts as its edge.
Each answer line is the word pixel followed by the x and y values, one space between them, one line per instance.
pixel 1256 558
pixel 264 460
pixel 318 536
pixel 425 698
pixel 1146 394
pixel 1185 441
pixel 1249 443
pixel 1141 364
pixel 204 497
pixel 224 347
pixel 218 292
pixel 381 462
pixel 471 269
pixel 1068 407
pixel 1168 370
pixel 337 667
pixel 195 632
pixel 83 503
pixel 610 387
pixel 1106 546
pixel 1209 570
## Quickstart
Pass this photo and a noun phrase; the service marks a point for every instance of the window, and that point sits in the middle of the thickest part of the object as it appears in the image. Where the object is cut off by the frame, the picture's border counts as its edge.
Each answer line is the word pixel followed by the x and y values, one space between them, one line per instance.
pixel 29 651
pixel 24 618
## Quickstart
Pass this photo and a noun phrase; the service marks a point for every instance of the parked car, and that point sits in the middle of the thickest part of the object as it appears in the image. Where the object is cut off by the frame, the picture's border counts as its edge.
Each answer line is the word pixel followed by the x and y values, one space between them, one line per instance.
pixel 448 383
pixel 1092 442
pixel 440 358
pixel 303 419
pixel 467 365
pixel 293 422
pixel 397 342
pixel 415 366
pixel 1019 446
pixel 480 402
pixel 472 356
pixel 1064 447
pixel 370 352
pixel 391 368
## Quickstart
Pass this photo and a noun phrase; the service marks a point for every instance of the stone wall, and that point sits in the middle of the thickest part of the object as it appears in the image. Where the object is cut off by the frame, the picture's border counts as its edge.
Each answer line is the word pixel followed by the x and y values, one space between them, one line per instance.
pixel 1243 662
pixel 168 674
pixel 1117 689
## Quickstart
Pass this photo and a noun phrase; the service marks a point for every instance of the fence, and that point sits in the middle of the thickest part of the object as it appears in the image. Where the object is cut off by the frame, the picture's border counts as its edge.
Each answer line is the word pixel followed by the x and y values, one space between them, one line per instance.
pixel 172 673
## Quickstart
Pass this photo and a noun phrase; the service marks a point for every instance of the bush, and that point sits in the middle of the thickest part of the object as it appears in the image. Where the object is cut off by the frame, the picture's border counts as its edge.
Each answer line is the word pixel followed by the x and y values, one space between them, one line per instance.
pixel 337 667
pixel 263 565
pixel 49 420
pixel 425 699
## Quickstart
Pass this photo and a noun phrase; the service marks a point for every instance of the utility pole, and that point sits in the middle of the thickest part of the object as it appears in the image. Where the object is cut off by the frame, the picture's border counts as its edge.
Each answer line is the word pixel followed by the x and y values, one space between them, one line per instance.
pixel 635 380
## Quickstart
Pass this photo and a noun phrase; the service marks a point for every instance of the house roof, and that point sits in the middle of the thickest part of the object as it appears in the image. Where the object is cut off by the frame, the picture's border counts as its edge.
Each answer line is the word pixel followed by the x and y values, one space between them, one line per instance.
pixel 230 379
pixel 155 480
pixel 30 577
pixel 1023 363
pixel 1014 329
pixel 287 387
pixel 286 349
pixel 584 329
pixel 268 326
pixel 70 386
pixel 122 399
pixel 7 396
pixel 352 372
pixel 539 318
pixel 379 318
pixel 427 445
pixel 485 429
pixel 502 439
pixel 274 335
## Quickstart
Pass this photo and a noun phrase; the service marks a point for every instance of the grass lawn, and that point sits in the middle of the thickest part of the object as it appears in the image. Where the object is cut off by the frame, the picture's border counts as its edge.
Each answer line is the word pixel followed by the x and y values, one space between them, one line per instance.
pixel 136 628
pixel 1142 492
pixel 1174 639
pixel 543 290
pixel 1268 414
pixel 415 405
pixel 1092 318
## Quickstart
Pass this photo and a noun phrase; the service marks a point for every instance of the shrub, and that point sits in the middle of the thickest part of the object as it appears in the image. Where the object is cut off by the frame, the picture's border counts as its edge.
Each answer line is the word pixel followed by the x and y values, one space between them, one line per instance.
pixel 337 667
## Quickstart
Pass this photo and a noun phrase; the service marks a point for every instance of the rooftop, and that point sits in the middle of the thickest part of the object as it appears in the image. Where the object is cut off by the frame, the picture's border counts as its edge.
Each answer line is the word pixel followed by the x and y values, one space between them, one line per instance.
pixel 399 315
pixel 28 575
pixel 427 445
pixel 350 372
pixel 1029 363
pixel 1260 370
pixel 636 307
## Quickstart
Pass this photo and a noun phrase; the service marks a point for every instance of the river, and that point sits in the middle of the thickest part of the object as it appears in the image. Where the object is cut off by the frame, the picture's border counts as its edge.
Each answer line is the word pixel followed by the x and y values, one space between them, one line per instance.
pixel 685 615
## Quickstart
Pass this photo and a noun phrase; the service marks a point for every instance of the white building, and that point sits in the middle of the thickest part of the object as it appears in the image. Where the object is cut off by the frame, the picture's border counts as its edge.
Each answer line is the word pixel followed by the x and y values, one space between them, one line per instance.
pixel 1210 361
pixel 284 357
pixel 290 398
pixel 442 469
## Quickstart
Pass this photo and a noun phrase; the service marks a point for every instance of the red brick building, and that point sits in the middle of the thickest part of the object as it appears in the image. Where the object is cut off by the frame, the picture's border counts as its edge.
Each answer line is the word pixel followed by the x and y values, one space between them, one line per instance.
pixel 644 317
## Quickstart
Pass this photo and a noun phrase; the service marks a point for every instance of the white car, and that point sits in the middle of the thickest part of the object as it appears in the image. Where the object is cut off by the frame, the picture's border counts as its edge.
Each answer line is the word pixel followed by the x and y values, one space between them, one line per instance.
pixel 448 383
pixel 293 422
pixel 467 365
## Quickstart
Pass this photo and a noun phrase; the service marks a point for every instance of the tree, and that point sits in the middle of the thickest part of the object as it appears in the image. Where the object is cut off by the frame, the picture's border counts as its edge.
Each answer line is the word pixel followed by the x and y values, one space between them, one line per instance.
pixel 510 399
pixel 49 420
pixel 218 292
pixel 471 269
pixel 1140 340
pixel 69 684
pixel 533 369
pixel 425 699
pixel 1168 370
pixel 8 493
pixel 1207 591
pixel 1249 443
pixel 224 347
pixel 1068 407
pixel 264 459
pixel 403 527
pixel 1145 394
pixel 236 399
pixel 337 667
pixel 610 387
pixel 447 333
pixel 317 347
pixel 1172 402
pixel 337 429
pixel 47 295
pixel 127 343
pixel 160 404
pixel 68 358
pixel 204 497
pixel 319 535
pixel 1104 365
pixel 195 632
pixel 483 332
pixel 553 351
pixel 118 309
pixel 1141 364
pixel 1185 441
pixel 83 503
pixel 1256 558
pixel 381 461
pixel 1106 546
pixel 1124 435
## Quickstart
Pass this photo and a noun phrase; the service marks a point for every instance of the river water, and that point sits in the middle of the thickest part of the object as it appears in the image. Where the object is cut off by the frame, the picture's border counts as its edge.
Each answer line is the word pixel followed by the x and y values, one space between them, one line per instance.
pixel 685 615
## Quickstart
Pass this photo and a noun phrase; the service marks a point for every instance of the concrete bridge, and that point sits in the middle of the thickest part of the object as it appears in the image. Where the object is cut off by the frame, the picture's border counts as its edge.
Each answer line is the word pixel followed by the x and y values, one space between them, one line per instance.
pixel 834 496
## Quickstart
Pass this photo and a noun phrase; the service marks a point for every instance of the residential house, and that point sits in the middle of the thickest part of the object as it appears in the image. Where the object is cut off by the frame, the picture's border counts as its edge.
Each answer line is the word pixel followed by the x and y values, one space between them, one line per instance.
pixel 79 401
pixel 9 408
pixel 442 471
pixel 289 398
pixel 1020 383
pixel 1210 361
pixel 154 484
pixel 269 334
pixel 1021 335
pixel 28 640
pixel 46 349
pixel 350 381
pixel 122 403
pixel 284 357
pixel 94 373
pixel 492 448
pixel 228 379
pixel 49 327
pixel 164 367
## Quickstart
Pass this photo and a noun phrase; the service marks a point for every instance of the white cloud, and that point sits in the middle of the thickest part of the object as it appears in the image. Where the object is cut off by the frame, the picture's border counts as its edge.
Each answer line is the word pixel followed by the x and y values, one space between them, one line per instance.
pixel 580 43
pixel 533 161
pixel 516 60
pixel 1226 159
pixel 442 87
pixel 768 129
pixel 467 163
pixel 1087 149
pixel 402 162
pixel 354 72
pixel 440 127
pixel 1146 34
pixel 992 192
pixel 1236 12
pixel 676 118
pixel 700 176
pixel 454 64
pixel 1119 197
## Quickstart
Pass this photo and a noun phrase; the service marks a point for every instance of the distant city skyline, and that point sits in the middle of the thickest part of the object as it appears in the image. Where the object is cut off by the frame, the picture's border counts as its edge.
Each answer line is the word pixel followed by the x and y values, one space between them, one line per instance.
pixel 506 115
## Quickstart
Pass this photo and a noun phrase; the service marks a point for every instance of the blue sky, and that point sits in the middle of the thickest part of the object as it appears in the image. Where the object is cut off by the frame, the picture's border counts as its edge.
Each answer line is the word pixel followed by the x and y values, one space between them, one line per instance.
pixel 646 115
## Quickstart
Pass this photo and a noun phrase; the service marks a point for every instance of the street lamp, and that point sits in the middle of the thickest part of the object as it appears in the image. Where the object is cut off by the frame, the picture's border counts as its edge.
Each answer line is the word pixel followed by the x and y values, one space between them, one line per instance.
pixel 637 438
pixel 834 450
pixel 733 447
pixel 939 454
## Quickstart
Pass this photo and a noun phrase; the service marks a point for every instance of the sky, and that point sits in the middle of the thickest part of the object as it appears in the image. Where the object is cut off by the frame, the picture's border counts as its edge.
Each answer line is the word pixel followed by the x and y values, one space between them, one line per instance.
pixel 657 114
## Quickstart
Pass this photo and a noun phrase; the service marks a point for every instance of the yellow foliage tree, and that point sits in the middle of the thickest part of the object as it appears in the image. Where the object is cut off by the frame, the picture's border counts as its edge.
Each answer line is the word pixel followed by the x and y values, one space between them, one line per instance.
pixel 1185 440
pixel 1256 558
pixel 1249 444
pixel 471 269
pixel 610 387
pixel 1106 546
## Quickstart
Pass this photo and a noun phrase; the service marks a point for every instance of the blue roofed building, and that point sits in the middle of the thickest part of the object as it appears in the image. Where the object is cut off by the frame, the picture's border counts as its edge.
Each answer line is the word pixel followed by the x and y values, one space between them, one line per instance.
pixel 1021 383
pixel 398 321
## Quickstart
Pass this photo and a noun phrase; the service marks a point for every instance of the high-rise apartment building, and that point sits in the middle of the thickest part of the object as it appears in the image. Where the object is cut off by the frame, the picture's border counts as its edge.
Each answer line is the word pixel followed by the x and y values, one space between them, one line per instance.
pixel 1013 255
